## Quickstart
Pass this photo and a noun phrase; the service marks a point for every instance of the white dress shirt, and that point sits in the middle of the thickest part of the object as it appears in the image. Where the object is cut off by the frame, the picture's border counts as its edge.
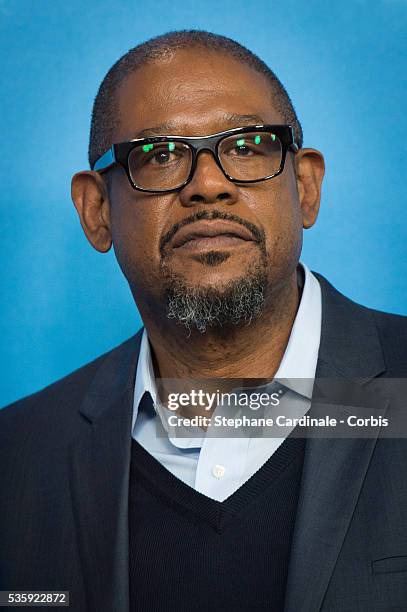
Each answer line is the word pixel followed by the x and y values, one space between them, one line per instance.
pixel 214 466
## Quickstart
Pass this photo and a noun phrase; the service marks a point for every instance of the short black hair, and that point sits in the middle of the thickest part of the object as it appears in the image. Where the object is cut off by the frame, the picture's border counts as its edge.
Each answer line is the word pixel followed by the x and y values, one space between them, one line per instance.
pixel 104 119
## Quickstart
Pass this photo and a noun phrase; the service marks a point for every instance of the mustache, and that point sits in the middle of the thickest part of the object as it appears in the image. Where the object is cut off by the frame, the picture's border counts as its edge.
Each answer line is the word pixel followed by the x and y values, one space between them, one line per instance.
pixel 258 234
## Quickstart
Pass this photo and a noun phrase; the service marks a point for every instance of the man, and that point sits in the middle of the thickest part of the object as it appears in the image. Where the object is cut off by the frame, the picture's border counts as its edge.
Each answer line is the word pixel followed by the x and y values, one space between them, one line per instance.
pixel 204 198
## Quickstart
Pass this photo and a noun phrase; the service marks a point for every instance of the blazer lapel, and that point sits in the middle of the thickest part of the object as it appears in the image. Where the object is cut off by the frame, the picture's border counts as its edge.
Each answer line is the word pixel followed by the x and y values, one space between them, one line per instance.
pixel 100 464
pixel 334 469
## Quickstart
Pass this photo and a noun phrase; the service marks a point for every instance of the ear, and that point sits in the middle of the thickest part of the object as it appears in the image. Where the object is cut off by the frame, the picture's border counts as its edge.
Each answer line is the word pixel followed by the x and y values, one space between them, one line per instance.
pixel 89 194
pixel 310 170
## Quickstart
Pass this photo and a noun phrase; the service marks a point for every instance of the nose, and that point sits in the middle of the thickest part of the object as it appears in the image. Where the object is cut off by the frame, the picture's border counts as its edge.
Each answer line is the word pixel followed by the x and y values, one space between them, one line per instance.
pixel 208 185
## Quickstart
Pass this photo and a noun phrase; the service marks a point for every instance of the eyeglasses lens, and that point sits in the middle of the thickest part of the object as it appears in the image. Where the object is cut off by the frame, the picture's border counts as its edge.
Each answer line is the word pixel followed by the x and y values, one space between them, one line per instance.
pixel 160 166
pixel 251 156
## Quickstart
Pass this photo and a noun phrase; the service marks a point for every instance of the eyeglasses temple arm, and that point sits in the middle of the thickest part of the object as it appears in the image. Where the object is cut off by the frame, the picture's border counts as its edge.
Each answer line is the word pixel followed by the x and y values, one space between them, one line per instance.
pixel 293 146
pixel 106 160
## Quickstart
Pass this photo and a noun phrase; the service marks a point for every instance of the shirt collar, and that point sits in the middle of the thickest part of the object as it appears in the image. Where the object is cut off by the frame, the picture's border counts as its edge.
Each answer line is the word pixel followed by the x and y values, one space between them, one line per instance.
pixel 145 378
pixel 299 362
pixel 296 370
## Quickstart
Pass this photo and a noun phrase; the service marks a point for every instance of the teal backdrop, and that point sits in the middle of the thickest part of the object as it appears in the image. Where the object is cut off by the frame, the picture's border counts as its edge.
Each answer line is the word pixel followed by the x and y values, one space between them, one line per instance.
pixel 344 65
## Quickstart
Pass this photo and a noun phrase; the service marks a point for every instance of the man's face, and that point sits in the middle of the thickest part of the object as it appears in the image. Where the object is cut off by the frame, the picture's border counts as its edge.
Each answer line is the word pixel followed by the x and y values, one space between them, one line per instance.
pixel 197 93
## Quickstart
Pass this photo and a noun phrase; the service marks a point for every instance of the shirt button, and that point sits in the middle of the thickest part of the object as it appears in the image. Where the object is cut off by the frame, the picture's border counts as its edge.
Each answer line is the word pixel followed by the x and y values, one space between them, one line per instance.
pixel 218 471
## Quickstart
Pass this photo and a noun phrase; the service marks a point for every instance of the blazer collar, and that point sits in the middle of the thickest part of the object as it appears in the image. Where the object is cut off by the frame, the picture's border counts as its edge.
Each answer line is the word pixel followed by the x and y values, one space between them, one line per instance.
pixel 350 345
pixel 115 376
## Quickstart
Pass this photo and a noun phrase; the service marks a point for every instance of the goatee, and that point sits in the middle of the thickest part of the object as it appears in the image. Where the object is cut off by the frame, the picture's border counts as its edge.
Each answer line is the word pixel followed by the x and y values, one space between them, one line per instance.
pixel 238 303
pixel 201 307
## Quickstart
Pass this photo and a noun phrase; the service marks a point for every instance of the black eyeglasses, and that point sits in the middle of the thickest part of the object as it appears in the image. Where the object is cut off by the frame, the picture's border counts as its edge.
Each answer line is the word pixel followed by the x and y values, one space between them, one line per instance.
pixel 162 164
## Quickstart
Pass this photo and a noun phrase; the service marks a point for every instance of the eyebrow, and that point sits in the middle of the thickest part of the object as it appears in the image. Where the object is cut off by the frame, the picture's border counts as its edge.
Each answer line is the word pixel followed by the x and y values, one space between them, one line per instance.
pixel 231 119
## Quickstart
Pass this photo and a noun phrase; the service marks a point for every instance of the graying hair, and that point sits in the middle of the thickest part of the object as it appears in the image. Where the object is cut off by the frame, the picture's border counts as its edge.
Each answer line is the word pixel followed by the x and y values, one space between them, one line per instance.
pixel 201 308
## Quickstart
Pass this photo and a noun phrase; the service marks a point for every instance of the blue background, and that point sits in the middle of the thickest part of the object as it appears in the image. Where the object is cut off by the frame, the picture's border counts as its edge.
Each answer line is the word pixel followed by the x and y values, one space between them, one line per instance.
pixel 344 65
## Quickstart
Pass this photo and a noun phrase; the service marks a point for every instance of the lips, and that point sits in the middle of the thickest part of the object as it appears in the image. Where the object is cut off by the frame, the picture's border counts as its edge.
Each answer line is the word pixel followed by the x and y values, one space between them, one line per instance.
pixel 207 232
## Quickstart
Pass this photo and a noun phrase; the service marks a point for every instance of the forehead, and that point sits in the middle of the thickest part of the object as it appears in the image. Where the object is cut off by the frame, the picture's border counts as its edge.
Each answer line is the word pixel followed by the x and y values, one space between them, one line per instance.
pixel 193 92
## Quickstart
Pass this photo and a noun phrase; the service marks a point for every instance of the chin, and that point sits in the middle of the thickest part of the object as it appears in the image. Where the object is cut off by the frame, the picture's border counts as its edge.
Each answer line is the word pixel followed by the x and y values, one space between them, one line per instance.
pixel 215 301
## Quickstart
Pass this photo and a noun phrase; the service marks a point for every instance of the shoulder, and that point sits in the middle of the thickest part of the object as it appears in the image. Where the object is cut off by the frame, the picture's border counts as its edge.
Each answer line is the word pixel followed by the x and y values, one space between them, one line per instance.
pixel 388 322
pixel 392 331
pixel 353 320
pixel 391 325
pixel 54 408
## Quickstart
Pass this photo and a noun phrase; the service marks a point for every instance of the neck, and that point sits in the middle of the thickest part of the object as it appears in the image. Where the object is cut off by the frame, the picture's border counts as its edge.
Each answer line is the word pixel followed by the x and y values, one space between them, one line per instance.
pixel 247 351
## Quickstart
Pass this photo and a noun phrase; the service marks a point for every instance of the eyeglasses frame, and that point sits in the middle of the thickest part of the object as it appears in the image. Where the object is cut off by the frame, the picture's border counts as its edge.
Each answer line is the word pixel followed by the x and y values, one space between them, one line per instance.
pixel 119 153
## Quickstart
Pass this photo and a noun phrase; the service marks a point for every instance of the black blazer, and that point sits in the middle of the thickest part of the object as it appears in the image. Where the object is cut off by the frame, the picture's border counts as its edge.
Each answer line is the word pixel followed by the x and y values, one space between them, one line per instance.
pixel 64 468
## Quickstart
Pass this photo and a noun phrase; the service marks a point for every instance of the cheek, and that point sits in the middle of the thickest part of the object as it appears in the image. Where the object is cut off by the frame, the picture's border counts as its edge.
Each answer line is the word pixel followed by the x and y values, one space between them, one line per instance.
pixel 285 228
pixel 277 210
pixel 136 231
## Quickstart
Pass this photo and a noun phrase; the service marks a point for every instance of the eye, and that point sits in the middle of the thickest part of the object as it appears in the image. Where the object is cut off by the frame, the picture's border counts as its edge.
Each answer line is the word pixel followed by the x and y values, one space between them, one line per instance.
pixel 160 154
pixel 248 145
pixel 242 151
pixel 160 157
pixel 242 147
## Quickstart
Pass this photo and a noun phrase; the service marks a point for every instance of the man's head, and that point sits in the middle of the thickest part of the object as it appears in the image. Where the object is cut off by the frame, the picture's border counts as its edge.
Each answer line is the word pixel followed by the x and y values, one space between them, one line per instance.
pixel 214 252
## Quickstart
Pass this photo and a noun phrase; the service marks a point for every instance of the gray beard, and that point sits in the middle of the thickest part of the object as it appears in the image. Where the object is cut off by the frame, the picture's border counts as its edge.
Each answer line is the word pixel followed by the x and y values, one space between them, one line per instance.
pixel 201 308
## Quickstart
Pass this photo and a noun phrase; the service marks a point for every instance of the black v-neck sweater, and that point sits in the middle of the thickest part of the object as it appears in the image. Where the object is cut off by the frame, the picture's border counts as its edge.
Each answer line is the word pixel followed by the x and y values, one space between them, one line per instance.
pixel 191 553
